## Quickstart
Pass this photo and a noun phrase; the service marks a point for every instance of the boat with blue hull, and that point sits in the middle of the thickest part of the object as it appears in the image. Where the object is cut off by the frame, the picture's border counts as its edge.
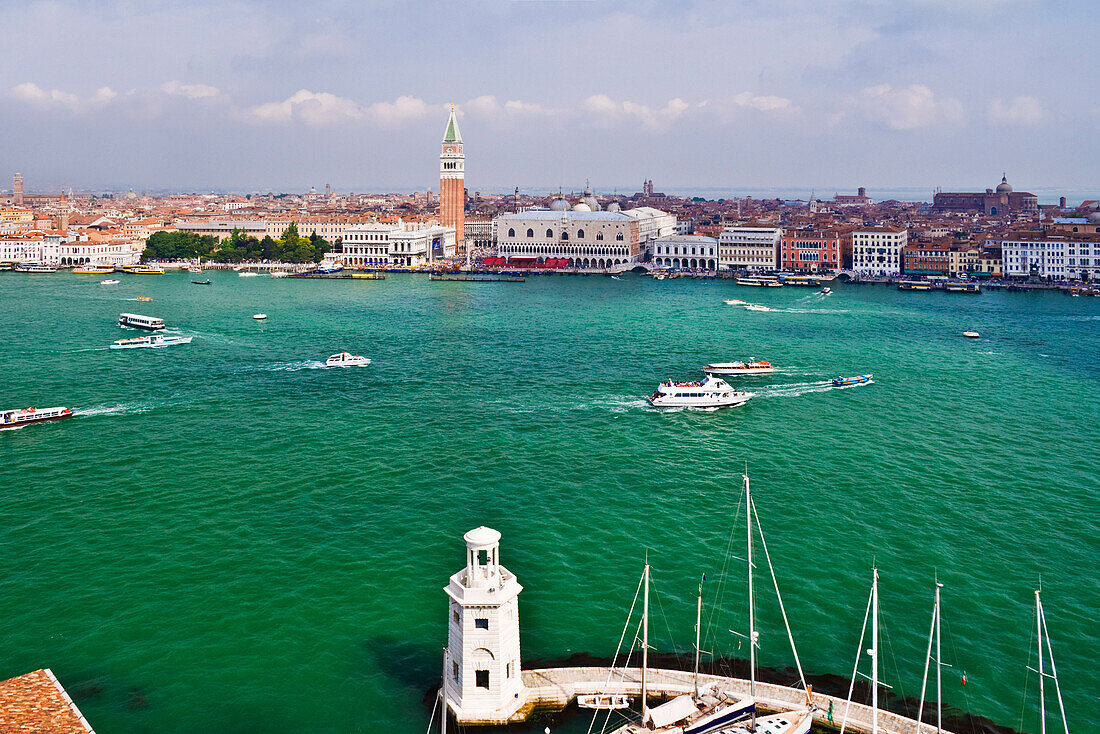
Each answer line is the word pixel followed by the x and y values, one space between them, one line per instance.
pixel 848 381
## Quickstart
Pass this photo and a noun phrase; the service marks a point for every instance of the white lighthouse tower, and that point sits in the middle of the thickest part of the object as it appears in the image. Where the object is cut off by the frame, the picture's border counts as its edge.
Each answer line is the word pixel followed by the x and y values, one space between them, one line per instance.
pixel 482 683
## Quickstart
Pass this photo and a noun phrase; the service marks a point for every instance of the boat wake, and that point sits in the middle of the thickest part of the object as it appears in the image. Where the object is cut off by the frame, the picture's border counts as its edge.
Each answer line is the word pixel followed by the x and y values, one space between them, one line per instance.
pixel 308 364
pixel 123 409
pixel 795 389
pixel 756 307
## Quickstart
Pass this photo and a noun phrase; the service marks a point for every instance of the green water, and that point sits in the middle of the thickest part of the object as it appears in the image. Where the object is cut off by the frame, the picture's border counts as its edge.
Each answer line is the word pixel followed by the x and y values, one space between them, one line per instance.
pixel 227 538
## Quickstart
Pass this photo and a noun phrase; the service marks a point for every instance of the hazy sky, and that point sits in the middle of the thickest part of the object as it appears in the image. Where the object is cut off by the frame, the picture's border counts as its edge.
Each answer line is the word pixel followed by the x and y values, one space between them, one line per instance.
pixel 197 95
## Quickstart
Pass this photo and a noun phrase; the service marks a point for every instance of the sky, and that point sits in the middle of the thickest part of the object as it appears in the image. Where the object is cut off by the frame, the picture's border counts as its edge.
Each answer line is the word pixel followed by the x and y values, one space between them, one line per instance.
pixel 245 95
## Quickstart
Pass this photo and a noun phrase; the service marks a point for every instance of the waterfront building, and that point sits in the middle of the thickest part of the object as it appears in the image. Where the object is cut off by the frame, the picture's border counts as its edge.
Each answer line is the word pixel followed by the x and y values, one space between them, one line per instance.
pixel 810 250
pixel 481 676
pixel 405 244
pixel 63 249
pixel 927 258
pixel 876 251
pixel 689 251
pixel 749 248
pixel 991 202
pixel 479 233
pixel 1055 256
pixel 587 239
pixel 330 228
pixel 452 180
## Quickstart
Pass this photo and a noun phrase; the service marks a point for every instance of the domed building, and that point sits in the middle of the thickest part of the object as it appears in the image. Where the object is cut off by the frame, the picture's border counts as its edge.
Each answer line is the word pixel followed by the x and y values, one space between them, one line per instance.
pixel 992 202
pixel 582 207
pixel 614 207
pixel 589 199
pixel 559 205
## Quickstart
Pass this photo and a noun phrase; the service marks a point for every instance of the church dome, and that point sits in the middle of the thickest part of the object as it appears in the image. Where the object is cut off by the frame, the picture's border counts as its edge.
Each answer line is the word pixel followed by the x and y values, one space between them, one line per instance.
pixel 589 199
pixel 614 207
pixel 1004 187
pixel 559 205
pixel 582 207
pixel 1094 218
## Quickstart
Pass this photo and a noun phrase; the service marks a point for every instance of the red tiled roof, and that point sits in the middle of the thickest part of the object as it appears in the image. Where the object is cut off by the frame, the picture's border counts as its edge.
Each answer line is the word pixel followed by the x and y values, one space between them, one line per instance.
pixel 36 703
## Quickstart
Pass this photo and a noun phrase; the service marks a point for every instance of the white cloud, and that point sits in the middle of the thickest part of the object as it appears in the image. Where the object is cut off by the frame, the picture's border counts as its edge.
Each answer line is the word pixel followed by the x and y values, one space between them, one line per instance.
pixel 1025 111
pixel 190 91
pixel 401 110
pixel 31 92
pixel 908 108
pixel 610 112
pixel 487 106
pixel 765 103
pixel 312 108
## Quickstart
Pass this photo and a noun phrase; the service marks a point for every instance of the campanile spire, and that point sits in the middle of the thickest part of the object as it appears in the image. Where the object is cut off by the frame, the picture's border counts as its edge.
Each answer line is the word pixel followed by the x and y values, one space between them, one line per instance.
pixel 452 183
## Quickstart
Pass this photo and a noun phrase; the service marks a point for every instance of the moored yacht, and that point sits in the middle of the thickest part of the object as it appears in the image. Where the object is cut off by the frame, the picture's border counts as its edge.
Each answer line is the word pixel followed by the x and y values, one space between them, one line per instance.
pixel 137 321
pixel 752 367
pixel 708 393
pixel 144 270
pixel 12 419
pixel 92 269
pixel 147 342
pixel 760 281
pixel 344 359
pixel 35 268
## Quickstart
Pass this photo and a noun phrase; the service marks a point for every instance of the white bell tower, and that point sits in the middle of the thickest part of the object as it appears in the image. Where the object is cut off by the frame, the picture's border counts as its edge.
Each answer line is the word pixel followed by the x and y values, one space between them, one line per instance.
pixel 482 683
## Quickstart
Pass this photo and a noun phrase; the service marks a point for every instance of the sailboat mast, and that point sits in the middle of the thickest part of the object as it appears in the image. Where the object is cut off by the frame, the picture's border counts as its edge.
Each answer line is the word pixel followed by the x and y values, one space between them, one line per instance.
pixel 752 618
pixel 1042 675
pixel 939 666
pixel 698 625
pixel 443 694
pixel 645 638
pixel 874 653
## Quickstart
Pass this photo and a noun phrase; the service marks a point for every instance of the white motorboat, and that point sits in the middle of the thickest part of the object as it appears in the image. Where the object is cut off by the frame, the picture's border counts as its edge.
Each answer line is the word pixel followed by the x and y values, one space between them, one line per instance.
pixel 752 367
pixel 826 291
pixel 137 321
pixel 196 271
pixel 344 359
pixel 260 316
pixel 707 393
pixel 756 307
pixel 151 342
pixel 735 302
pixel 971 334
pixel 144 270
pixel 247 274
pixel 12 419
pixel 109 281
pixel 279 273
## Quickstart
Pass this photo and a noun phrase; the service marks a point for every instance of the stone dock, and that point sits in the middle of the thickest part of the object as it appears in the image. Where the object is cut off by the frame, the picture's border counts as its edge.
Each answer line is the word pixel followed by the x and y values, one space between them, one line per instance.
pixel 553 689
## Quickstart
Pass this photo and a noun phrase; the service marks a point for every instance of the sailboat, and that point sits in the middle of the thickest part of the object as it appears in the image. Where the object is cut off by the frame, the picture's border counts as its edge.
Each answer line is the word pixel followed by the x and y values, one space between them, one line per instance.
pixel 1044 636
pixel 933 633
pixel 872 611
pixel 713 709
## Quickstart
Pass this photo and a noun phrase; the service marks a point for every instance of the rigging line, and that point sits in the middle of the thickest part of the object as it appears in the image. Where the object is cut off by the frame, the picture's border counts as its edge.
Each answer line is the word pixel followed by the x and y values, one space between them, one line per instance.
pixel 1023 701
pixel 664 616
pixel 619 647
pixel 1053 670
pixel 779 597
pixel 435 705
pixel 855 669
pixel 890 649
pixel 955 653
pixel 710 639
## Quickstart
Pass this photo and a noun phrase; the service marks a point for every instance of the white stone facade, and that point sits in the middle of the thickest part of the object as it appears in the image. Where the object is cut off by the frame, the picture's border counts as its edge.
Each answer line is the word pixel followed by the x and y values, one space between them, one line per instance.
pixel 1051 257
pixel 55 249
pixel 587 239
pixel 749 248
pixel 686 251
pixel 482 681
pixel 877 251
pixel 380 245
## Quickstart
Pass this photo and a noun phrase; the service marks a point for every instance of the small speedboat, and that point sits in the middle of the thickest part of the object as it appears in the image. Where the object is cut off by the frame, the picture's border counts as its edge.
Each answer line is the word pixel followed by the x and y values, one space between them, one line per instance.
pixel 259 316
pixel 109 282
pixel 847 381
pixel 196 271
pixel 201 282
pixel 826 291
pixel 151 342
pixel 247 274
pixel 735 302
pixel 756 307
pixel 143 298
pixel 12 419
pixel 615 277
pixel 971 334
pixel 344 359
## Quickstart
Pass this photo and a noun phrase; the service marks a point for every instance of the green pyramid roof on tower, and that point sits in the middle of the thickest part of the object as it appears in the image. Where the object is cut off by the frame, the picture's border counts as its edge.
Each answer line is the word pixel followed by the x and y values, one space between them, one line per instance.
pixel 452 135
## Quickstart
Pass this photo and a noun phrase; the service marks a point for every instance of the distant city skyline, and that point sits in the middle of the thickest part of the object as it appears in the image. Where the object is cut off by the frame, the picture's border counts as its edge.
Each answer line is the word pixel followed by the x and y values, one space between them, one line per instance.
pixel 778 96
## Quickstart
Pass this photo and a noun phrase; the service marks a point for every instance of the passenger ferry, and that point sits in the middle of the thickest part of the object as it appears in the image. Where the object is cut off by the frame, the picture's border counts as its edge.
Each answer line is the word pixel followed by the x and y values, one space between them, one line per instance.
pixel 148 342
pixel 803 280
pixel 708 393
pixel 35 268
pixel 12 419
pixel 144 270
pixel 94 269
pixel 962 287
pixel 752 367
pixel 914 285
pixel 759 281
pixel 137 321
pixel 344 359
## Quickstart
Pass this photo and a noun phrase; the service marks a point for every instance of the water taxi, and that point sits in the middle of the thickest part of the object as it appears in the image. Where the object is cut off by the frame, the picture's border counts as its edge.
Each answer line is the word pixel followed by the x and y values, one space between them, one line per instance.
pixel 735 302
pixel 825 291
pixel 260 316
pixel 110 281
pixel 35 268
pixel 94 269
pixel 708 393
pixel 12 419
pixel 137 321
pixel 144 270
pixel 752 367
pixel 962 287
pixel 759 282
pixel 971 334
pixel 151 342
pixel 914 285
pixel 201 282
pixel 847 381
pixel 195 271
pixel 344 359
pixel 756 307
pixel 278 273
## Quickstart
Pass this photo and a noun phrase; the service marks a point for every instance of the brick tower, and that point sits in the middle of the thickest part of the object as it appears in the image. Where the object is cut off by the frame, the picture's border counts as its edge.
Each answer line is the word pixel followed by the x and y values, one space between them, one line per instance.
pixel 452 181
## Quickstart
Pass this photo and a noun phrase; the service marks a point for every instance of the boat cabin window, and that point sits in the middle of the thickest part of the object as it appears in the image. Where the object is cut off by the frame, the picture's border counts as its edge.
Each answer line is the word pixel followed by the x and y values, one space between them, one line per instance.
pixel 481 624
pixel 481 678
